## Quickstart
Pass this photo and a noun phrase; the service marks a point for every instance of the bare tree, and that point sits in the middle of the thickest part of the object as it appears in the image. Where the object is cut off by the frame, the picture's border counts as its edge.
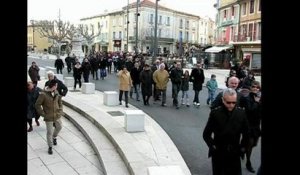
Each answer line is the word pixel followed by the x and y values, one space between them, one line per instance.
pixel 89 36
pixel 145 36
pixel 58 31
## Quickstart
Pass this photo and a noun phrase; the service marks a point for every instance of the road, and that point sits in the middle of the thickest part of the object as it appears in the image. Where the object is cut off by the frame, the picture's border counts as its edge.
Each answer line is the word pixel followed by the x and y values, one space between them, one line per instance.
pixel 184 125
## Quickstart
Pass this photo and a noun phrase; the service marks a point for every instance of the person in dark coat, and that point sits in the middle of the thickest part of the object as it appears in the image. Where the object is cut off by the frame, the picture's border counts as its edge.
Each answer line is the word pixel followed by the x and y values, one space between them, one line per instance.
pixel 32 96
pixel 86 69
pixel 59 64
pixel 146 83
pixel 77 72
pixel 176 76
pixel 34 73
pixel 69 63
pixel 135 76
pixel 61 87
pixel 222 134
pixel 197 77
pixel 252 105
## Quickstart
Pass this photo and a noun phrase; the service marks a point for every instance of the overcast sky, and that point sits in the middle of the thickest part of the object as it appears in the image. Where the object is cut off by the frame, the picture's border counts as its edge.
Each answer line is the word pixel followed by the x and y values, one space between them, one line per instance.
pixel 73 10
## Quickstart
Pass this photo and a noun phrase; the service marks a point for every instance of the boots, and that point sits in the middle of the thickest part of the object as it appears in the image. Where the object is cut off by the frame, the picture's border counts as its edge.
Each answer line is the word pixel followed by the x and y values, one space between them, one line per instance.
pixel 187 103
pixel 30 129
pixel 249 167
pixel 37 122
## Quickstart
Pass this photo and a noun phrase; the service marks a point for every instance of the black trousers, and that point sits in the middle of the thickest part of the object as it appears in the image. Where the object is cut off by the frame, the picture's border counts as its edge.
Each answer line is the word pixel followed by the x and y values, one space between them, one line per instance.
pixel 121 95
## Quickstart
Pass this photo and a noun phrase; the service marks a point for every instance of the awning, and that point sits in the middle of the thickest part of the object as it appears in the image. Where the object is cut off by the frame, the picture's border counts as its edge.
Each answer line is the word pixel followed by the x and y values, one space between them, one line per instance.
pixel 216 49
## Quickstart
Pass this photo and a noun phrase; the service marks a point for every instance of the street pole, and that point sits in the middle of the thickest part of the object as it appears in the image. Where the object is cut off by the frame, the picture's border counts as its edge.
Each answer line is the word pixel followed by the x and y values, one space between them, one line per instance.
pixel 127 25
pixel 136 29
pixel 155 32
pixel 32 23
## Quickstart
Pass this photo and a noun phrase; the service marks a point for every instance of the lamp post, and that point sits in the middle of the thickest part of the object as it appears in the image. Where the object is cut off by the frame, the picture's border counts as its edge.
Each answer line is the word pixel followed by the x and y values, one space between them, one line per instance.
pixel 127 25
pixel 155 32
pixel 32 23
pixel 136 30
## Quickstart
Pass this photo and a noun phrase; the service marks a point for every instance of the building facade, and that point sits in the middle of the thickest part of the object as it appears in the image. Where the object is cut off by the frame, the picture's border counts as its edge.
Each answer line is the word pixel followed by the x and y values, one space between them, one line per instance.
pixel 35 42
pixel 174 29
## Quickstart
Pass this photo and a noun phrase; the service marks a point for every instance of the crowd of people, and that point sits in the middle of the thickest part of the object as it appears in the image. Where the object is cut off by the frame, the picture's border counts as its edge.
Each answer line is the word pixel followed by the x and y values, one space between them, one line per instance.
pixel 233 127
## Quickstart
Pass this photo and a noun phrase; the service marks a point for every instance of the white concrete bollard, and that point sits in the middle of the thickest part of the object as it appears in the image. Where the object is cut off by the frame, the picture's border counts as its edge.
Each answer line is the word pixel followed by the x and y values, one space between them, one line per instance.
pixel 88 88
pixel 110 98
pixel 69 81
pixel 165 170
pixel 60 77
pixel 134 120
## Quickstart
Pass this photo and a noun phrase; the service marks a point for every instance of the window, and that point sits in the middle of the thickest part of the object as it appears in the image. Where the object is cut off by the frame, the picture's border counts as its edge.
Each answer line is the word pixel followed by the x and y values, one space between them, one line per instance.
pixel 225 13
pixel 114 35
pixel 159 33
pixel 187 25
pixel 250 31
pixel 259 30
pixel 187 36
pixel 114 22
pixel 151 19
pixel 201 40
pixel 160 20
pixel 244 9
pixel 251 6
pixel 168 21
pixel 120 35
pixel 259 9
pixel 181 23
pixel 232 11
pixel 180 35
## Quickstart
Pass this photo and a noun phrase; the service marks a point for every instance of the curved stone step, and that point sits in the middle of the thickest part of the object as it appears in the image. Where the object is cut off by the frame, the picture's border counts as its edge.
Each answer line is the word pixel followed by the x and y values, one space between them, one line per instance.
pixel 106 152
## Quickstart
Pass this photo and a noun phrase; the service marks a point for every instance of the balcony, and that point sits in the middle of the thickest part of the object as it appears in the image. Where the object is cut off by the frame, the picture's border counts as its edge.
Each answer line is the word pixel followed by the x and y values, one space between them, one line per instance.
pixel 245 38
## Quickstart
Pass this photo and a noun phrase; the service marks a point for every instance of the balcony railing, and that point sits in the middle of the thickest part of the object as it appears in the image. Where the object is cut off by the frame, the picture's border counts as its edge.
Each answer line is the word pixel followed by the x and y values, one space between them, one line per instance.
pixel 245 38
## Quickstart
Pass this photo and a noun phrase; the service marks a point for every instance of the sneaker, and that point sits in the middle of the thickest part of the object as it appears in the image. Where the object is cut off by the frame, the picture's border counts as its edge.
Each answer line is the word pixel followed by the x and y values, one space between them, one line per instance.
pixel 187 105
pixel 198 104
pixel 182 103
pixel 207 102
pixel 54 141
pixel 50 150
pixel 120 103
pixel 195 103
pixel 164 104
pixel 126 106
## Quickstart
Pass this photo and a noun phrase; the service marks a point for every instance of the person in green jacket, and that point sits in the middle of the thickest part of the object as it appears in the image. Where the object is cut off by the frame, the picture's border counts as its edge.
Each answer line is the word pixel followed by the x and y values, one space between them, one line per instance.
pixel 49 105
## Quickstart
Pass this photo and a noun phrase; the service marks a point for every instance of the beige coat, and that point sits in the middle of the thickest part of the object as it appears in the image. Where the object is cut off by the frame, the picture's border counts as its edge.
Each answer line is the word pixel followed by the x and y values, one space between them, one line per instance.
pixel 161 78
pixel 125 80
pixel 48 106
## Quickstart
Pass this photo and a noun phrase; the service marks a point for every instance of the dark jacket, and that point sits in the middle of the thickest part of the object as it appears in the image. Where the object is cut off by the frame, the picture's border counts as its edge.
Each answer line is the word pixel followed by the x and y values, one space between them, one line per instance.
pixel 218 100
pixel 61 88
pixel 253 111
pixel 146 82
pixel 34 73
pixel 32 96
pixel 176 75
pixel 197 77
pixel 135 75
pixel 185 83
pixel 222 135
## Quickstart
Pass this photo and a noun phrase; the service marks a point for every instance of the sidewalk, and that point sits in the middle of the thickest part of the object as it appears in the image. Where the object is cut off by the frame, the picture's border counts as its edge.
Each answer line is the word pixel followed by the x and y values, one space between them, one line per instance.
pixel 74 154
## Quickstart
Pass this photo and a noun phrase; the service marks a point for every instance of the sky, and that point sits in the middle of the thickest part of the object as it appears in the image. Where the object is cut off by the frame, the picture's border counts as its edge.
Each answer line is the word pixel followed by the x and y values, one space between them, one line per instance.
pixel 74 10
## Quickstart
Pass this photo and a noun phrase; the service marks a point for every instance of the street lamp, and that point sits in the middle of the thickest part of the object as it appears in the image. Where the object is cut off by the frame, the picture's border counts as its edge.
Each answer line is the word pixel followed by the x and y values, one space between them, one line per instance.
pixel 136 30
pixel 127 25
pixel 155 32
pixel 32 23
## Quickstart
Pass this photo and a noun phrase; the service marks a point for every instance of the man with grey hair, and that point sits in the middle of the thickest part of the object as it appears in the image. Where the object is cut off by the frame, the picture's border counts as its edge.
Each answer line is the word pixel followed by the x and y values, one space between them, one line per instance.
pixel 161 78
pixel 61 88
pixel 233 83
pixel 222 134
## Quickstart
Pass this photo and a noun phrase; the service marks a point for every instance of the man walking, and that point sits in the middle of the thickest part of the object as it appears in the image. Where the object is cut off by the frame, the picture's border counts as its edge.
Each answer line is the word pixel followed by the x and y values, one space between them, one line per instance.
pixel 222 135
pixel 49 106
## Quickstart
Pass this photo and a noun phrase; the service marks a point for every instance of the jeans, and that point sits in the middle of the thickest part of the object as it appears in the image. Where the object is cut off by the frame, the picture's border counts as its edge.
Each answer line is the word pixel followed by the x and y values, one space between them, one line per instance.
pixel 211 96
pixel 196 97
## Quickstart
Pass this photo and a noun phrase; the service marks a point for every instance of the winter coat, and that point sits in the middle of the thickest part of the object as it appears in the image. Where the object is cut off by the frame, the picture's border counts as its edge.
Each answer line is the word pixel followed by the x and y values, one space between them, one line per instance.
pixel 185 83
pixel 161 79
pixel 34 73
pixel 48 106
pixel 125 80
pixel 197 77
pixel 135 75
pixel 32 96
pixel 61 87
pixel 146 81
